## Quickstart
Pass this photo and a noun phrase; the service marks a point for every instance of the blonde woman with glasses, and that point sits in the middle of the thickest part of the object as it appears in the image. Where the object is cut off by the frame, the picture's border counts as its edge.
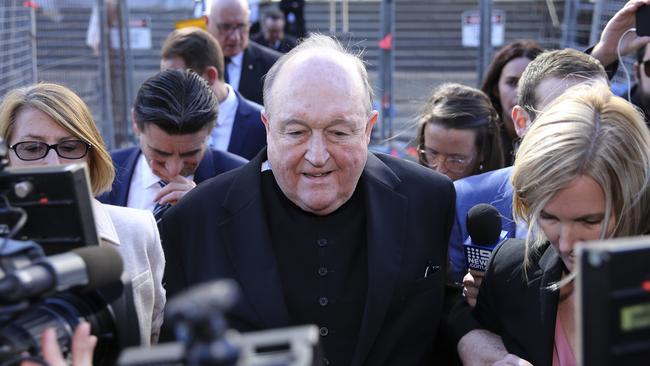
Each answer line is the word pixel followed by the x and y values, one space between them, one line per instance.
pixel 48 124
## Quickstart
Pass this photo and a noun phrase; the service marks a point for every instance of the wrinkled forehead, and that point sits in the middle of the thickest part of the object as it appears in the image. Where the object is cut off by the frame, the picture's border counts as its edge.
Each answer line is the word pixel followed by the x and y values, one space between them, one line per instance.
pixel 229 11
pixel 331 77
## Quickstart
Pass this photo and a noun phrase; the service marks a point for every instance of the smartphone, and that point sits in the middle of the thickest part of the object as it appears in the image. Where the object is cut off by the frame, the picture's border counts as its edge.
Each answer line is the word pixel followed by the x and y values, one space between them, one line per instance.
pixel 643 20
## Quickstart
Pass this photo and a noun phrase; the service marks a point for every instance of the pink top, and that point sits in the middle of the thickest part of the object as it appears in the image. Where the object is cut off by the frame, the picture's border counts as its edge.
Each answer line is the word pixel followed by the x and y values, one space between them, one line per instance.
pixel 562 352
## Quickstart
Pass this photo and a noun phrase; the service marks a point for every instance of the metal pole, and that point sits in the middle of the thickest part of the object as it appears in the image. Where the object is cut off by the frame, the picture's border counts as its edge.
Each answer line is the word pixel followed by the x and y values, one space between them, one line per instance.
pixel 594 34
pixel 391 73
pixel 105 75
pixel 345 16
pixel 568 24
pixel 32 34
pixel 385 68
pixel 332 16
pixel 485 44
pixel 128 70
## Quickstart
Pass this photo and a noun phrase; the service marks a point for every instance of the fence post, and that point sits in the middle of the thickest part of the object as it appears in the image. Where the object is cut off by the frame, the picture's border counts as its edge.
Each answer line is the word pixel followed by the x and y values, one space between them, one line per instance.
pixel 105 75
pixel 485 44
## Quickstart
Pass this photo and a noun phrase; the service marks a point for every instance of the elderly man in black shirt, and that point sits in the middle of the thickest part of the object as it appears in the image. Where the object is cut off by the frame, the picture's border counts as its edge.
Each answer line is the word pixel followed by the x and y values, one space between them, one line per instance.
pixel 316 229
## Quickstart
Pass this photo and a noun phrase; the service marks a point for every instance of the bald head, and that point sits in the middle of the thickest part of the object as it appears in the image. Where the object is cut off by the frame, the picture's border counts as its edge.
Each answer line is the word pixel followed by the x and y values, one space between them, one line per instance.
pixel 318 124
pixel 311 58
pixel 228 22
pixel 217 5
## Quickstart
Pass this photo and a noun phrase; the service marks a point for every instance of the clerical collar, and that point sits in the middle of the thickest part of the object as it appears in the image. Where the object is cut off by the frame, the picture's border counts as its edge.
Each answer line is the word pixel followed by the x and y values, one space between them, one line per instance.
pixel 266 165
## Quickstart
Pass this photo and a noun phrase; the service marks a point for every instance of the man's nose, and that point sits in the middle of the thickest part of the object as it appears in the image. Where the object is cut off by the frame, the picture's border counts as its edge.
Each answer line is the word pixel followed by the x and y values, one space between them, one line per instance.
pixel 441 168
pixel 174 166
pixel 234 35
pixel 317 152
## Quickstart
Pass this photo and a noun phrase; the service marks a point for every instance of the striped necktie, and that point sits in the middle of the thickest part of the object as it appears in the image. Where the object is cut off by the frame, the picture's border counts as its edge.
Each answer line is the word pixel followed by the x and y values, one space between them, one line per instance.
pixel 159 209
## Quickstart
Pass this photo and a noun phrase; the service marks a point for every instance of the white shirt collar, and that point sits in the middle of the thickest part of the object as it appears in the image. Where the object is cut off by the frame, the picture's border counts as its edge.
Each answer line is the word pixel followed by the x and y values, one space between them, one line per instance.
pixel 238 59
pixel 227 108
pixel 149 179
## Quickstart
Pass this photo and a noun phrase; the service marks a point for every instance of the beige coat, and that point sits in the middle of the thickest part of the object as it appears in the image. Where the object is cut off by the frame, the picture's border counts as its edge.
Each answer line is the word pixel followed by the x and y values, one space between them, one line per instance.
pixel 135 234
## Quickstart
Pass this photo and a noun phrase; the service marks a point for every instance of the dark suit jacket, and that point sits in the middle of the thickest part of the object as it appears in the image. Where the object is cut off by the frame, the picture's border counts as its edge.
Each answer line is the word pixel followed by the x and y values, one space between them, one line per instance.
pixel 219 230
pixel 286 44
pixel 522 311
pixel 248 135
pixel 256 63
pixel 213 163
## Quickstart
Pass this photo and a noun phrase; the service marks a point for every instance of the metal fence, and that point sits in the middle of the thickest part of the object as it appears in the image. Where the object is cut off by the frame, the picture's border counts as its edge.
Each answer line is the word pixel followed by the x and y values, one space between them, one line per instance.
pixel 82 44
pixel 17 47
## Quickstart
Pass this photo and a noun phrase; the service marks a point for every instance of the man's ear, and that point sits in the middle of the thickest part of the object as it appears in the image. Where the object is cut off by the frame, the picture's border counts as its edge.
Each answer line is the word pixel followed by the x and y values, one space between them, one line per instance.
pixel 636 68
pixel 211 75
pixel 521 119
pixel 134 125
pixel 371 122
pixel 265 121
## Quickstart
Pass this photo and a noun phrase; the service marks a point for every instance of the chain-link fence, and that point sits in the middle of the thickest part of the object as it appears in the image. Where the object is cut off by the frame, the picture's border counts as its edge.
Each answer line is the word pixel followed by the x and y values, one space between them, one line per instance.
pixel 82 44
pixel 17 61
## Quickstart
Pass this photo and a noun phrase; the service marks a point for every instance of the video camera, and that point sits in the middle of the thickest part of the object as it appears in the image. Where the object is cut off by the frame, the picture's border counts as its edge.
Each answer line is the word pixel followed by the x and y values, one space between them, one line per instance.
pixel 48 211
pixel 197 316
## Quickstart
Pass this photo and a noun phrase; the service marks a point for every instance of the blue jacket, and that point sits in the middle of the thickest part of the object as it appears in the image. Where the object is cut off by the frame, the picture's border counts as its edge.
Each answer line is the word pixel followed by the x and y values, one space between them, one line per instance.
pixel 248 135
pixel 493 187
pixel 213 163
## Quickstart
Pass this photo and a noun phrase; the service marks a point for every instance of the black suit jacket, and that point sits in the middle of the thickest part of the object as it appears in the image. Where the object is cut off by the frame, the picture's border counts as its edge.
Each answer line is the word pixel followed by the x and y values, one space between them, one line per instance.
pixel 213 163
pixel 286 44
pixel 248 135
pixel 521 310
pixel 256 63
pixel 219 230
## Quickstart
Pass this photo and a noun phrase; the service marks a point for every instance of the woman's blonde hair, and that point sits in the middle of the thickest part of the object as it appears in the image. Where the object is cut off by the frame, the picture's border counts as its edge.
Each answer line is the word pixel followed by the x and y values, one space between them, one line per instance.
pixel 586 131
pixel 70 112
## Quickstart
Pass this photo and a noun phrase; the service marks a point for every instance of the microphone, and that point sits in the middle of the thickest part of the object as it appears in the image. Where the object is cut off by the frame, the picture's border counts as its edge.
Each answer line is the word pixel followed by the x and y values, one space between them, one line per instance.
pixel 87 268
pixel 484 228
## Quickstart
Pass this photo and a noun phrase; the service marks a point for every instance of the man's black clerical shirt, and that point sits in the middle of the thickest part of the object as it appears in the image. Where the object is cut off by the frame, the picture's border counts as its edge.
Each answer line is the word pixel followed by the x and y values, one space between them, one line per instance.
pixel 323 265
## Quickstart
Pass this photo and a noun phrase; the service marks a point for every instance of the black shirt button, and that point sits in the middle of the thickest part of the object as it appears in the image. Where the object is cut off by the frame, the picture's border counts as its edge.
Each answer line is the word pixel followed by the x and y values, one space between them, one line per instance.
pixel 323 301
pixel 321 242
pixel 324 331
pixel 326 362
pixel 322 271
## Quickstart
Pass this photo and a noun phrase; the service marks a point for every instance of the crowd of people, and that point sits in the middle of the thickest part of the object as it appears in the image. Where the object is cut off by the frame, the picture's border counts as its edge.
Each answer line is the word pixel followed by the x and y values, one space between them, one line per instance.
pixel 254 165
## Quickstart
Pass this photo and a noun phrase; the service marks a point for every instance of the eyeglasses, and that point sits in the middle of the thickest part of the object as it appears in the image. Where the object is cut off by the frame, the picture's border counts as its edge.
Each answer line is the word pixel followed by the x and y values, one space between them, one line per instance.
pixel 433 159
pixel 34 150
pixel 646 67
pixel 230 28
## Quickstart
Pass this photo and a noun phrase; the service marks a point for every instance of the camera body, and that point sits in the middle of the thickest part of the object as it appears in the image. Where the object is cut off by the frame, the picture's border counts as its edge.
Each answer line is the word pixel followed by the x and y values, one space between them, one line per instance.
pixel 47 211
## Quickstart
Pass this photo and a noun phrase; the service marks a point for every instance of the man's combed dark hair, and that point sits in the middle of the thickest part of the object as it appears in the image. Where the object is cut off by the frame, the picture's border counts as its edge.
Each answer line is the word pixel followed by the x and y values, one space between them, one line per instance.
pixel 177 101
pixel 196 47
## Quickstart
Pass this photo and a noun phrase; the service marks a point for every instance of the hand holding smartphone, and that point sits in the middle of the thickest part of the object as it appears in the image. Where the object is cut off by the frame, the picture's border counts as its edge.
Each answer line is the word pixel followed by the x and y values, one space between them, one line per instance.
pixel 643 21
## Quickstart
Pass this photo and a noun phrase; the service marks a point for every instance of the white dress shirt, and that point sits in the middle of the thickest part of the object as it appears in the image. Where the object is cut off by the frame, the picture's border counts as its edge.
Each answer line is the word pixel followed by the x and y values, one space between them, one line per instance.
pixel 144 186
pixel 234 70
pixel 220 136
